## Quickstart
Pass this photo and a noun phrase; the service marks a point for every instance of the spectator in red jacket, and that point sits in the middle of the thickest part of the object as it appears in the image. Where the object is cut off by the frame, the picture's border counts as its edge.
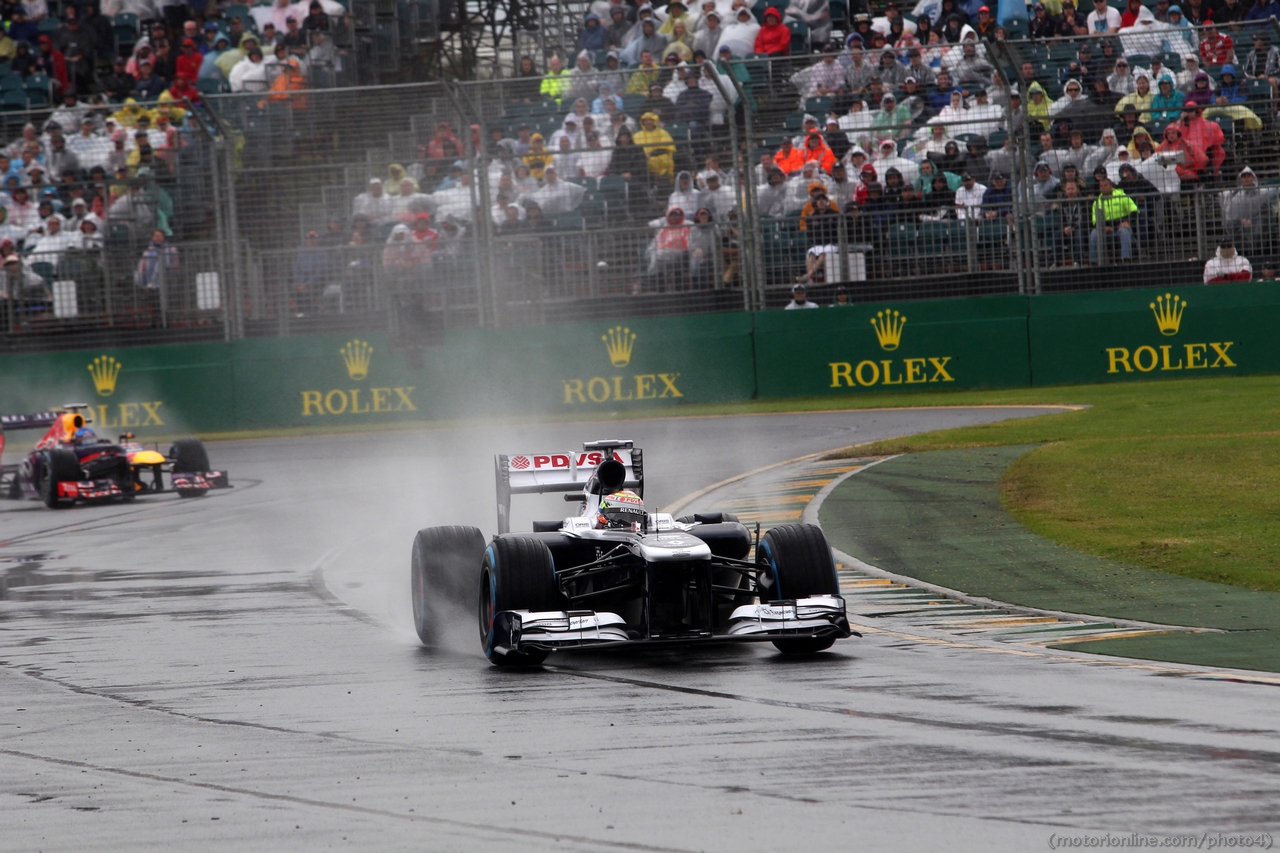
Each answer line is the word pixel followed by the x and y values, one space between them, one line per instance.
pixel 50 61
pixel 445 145
pixel 1194 160
pixel 774 39
pixel 1216 48
pixel 1204 135
pixel 188 63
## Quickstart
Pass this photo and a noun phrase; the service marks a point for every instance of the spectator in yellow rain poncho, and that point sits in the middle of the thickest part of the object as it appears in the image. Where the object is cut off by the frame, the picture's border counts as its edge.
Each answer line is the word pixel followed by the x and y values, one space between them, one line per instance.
pixel 539 157
pixel 658 146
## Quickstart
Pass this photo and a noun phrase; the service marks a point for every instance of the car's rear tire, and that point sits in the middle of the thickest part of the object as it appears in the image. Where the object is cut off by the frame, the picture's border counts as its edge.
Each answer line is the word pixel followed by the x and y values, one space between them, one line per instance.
pixel 60 465
pixel 518 573
pixel 797 563
pixel 189 457
pixel 442 573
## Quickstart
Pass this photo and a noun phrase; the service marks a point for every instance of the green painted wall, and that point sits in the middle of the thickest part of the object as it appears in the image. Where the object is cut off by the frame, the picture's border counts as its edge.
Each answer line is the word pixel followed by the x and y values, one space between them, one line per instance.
pixel 1006 341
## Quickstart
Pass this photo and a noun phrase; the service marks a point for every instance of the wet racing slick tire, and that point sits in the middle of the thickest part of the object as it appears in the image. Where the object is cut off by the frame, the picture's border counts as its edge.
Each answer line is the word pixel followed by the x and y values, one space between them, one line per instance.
pixel 60 465
pixel 189 457
pixel 517 574
pixel 797 563
pixel 443 572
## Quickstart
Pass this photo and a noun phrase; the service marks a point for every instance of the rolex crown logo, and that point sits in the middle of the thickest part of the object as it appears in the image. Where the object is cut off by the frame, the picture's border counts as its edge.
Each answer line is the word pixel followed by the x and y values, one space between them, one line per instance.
pixel 619 341
pixel 356 356
pixel 1168 310
pixel 888 326
pixel 105 370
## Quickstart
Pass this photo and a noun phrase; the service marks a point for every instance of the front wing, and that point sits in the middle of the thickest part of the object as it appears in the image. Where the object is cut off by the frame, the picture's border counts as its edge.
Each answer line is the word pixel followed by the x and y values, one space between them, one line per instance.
pixel 89 490
pixel 200 482
pixel 552 630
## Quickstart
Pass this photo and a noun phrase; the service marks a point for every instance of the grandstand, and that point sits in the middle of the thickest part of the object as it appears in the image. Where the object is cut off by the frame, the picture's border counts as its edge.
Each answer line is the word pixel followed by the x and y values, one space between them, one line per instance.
pixel 302 191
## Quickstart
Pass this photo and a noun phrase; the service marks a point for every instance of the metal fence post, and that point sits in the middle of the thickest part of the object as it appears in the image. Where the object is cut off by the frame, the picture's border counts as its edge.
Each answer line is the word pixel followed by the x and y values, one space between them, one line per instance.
pixel 751 261
pixel 1202 245
pixel 713 75
pixel 480 202
pixel 236 286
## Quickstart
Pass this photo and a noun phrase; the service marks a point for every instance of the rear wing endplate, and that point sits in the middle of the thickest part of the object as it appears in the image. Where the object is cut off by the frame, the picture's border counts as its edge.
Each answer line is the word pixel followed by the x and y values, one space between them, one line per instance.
pixel 569 471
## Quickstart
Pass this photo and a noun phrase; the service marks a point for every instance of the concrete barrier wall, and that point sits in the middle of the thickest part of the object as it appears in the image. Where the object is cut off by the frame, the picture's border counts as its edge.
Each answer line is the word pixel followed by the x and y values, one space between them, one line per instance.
pixel 992 342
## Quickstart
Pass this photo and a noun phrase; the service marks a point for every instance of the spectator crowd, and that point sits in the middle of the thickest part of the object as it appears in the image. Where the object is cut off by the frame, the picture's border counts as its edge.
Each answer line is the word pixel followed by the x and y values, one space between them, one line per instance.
pixel 902 128
pixel 886 133
pixel 109 91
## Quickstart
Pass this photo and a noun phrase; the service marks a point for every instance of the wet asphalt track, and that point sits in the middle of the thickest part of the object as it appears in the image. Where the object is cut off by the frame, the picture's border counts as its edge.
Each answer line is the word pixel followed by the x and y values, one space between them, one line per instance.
pixel 240 672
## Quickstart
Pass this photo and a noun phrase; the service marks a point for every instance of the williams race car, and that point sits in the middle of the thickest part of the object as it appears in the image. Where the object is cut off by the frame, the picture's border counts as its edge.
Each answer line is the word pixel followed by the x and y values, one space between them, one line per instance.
pixel 70 463
pixel 616 574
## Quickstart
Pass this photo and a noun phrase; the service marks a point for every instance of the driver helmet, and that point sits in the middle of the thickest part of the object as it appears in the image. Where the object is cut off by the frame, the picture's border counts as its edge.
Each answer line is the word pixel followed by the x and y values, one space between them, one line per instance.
pixel 84 435
pixel 620 510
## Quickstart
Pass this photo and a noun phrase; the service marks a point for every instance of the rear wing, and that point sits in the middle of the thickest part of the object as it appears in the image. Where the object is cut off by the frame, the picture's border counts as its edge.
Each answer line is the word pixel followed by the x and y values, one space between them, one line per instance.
pixel 39 420
pixel 539 473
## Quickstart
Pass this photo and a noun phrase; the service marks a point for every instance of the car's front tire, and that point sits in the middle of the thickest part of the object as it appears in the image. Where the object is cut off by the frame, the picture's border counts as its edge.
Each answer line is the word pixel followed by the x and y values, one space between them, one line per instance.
pixel 443 570
pixel 189 457
pixel 59 465
pixel 517 574
pixel 796 563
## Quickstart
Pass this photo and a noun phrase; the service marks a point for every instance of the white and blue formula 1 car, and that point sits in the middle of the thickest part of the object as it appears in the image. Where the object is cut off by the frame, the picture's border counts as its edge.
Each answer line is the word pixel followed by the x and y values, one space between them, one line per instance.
pixel 616 574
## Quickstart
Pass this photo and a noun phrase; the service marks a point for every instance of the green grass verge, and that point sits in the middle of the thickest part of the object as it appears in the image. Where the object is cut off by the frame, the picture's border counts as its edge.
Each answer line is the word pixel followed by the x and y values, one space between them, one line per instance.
pixel 937 516
pixel 1181 476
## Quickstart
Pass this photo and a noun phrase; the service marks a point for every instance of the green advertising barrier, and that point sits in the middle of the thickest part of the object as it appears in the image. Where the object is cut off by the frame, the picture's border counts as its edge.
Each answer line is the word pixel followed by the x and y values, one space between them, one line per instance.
pixel 608 366
pixel 944 343
pixel 167 389
pixel 577 367
pixel 1150 333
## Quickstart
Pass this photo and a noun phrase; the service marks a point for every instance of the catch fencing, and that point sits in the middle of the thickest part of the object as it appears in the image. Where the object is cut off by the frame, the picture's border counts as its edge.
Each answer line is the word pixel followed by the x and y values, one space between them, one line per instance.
pixel 250 178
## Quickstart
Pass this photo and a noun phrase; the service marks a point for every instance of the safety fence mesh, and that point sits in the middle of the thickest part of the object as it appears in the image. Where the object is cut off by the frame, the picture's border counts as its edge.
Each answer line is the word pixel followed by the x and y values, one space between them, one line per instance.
pixel 676 188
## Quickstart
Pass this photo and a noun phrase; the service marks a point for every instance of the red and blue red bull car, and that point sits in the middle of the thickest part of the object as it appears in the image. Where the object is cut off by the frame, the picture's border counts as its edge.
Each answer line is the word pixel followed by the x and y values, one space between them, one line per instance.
pixel 618 574
pixel 71 464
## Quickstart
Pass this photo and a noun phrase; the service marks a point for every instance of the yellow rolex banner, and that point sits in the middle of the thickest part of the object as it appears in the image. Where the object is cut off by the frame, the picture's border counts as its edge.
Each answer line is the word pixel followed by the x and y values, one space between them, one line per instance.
pixel 894 346
pixel 1154 333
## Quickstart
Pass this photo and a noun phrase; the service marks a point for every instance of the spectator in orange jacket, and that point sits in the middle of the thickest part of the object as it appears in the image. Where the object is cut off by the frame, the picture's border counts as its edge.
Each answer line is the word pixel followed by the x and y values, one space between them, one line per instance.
pixel 816 148
pixel 774 39
pixel 788 158
pixel 288 87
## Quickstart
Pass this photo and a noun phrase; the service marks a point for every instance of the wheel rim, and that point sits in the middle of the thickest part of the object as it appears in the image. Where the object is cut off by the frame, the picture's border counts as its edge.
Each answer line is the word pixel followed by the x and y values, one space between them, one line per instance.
pixel 419 605
pixel 775 589
pixel 487 609
pixel 45 484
